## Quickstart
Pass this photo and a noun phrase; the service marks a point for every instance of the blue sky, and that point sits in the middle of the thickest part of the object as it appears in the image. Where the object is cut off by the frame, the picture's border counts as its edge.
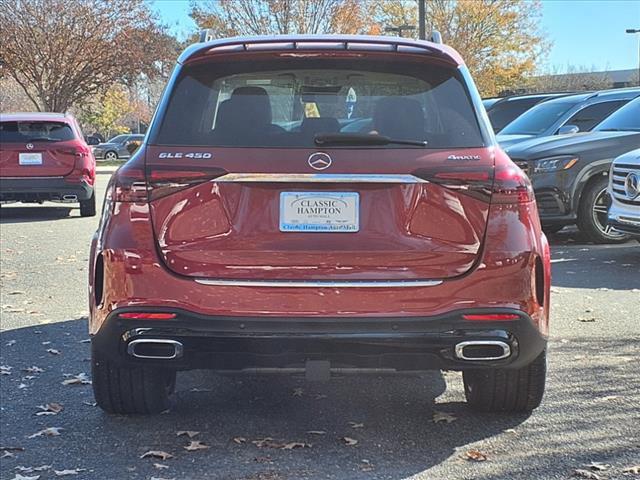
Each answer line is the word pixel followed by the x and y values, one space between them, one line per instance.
pixel 585 33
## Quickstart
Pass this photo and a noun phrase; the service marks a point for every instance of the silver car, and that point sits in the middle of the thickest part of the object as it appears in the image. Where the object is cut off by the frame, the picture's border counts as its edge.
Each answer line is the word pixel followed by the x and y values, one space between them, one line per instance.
pixel 116 147
pixel 624 189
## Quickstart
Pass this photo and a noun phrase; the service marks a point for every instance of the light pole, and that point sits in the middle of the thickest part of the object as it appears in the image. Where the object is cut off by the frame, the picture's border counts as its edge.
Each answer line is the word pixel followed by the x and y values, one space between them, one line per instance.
pixel 422 33
pixel 399 29
pixel 632 31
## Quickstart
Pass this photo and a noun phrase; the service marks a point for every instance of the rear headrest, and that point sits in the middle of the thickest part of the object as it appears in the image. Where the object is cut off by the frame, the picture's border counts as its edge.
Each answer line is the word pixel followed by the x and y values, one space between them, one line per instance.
pixel 399 117
pixel 248 108
pixel 314 125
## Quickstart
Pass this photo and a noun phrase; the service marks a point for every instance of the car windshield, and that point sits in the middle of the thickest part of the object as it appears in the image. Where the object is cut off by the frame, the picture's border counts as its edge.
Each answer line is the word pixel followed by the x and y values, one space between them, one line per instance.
pixel 625 119
pixel 538 119
pixel 33 131
pixel 285 103
pixel 117 139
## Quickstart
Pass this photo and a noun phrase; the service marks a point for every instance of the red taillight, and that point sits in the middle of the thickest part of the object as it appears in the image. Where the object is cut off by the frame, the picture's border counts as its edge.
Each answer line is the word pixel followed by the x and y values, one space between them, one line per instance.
pixel 147 316
pixel 129 185
pixel 511 186
pixel 165 180
pixel 491 317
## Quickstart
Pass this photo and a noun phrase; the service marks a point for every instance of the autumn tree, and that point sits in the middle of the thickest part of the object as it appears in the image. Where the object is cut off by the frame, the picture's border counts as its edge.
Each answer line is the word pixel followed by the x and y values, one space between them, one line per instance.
pixel 271 17
pixel 61 52
pixel 500 40
pixel 109 112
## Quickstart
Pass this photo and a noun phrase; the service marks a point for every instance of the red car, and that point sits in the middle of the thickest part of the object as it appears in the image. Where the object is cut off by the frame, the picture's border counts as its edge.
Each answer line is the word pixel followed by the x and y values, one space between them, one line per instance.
pixel 319 204
pixel 43 157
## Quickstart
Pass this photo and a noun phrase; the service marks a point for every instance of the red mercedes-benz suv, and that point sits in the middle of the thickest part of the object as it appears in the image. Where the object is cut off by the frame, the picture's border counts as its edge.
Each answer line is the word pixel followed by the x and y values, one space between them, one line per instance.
pixel 319 204
pixel 43 157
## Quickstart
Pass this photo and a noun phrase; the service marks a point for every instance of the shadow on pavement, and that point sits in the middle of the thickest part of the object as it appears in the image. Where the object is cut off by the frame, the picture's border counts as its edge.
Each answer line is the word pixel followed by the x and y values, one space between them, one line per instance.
pixel 31 214
pixel 397 437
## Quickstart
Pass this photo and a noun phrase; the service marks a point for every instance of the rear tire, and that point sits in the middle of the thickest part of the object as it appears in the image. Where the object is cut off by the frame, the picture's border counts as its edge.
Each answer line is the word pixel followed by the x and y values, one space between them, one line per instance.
pixel 506 390
pixel 592 214
pixel 88 207
pixel 131 390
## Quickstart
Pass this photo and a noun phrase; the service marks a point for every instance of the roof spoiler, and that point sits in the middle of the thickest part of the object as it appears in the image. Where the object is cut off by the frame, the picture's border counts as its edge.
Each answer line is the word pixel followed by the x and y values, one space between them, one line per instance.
pixel 206 35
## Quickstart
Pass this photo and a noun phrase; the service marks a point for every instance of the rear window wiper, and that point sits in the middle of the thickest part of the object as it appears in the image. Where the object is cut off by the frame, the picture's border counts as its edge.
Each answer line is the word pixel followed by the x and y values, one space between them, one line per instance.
pixel 42 139
pixel 362 139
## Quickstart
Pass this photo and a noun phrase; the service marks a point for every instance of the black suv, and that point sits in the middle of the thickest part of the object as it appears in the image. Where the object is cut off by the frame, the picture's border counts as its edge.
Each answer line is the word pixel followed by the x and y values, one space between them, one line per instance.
pixel 570 173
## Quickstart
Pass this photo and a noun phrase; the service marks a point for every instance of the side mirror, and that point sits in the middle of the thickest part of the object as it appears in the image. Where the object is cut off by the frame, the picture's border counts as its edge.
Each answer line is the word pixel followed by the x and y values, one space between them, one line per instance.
pixel 568 129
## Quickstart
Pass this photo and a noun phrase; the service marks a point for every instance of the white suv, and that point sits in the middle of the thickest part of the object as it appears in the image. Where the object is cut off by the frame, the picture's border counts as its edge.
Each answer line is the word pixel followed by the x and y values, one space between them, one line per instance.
pixel 624 188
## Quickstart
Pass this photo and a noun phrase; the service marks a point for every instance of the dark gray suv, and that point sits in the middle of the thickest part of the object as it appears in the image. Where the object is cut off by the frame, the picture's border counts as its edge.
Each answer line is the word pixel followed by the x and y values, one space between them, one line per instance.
pixel 118 147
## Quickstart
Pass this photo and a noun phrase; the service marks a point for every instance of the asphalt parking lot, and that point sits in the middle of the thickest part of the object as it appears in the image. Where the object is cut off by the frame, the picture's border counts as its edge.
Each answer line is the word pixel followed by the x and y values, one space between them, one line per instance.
pixel 274 428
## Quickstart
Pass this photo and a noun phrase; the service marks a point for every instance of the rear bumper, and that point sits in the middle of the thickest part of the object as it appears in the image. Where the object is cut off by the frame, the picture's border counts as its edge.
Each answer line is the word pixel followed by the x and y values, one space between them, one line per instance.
pixel 247 343
pixel 35 189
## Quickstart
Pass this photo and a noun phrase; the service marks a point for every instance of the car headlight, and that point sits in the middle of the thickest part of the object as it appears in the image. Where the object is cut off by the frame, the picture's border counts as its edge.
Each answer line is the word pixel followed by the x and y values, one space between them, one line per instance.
pixel 554 164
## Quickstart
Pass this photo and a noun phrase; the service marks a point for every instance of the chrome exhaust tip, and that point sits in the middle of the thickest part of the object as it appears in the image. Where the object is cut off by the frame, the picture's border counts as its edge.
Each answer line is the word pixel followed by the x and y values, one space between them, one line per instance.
pixel 69 198
pixel 155 349
pixel 482 350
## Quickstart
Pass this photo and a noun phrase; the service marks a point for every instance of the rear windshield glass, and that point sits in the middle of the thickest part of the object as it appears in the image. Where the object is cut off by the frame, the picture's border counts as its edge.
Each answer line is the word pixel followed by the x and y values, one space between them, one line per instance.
pixel 24 132
pixel 538 119
pixel 625 119
pixel 286 104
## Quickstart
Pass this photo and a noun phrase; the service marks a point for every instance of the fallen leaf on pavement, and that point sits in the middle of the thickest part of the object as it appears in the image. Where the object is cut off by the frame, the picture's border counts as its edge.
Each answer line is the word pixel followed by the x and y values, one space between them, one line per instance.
pixel 356 425
pixel 86 340
pixel 349 441
pixel 586 319
pixel 160 466
pixel 475 456
pixel 443 417
pixel 22 477
pixel 80 379
pixel 50 409
pixel 510 430
pixel 10 343
pixel 53 351
pixel 48 432
pixel 320 396
pixel 598 466
pixel 294 445
pixel 5 370
pixel 188 433
pixel 33 369
pixel 64 473
pixel 609 398
pixel 634 469
pixel 162 478
pixel 156 454
pixel 17 292
pixel 582 473
pixel 240 440
pixel 90 404
pixel 195 445
pixel 316 432
pixel 298 392
pixel 41 468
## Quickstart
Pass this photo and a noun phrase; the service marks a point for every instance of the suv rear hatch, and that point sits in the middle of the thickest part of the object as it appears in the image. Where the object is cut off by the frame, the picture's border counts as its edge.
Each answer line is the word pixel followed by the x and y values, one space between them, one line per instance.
pixel 36 148
pixel 288 169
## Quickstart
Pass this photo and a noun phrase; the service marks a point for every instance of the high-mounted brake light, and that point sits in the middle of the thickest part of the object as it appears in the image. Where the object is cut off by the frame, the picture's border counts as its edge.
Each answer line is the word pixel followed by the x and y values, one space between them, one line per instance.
pixel 147 316
pixel 490 317
pixel 511 186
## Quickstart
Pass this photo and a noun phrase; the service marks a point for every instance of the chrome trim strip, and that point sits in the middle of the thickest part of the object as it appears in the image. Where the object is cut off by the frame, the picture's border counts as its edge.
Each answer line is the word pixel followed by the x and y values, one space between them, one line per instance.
pixel 320 284
pixel 318 178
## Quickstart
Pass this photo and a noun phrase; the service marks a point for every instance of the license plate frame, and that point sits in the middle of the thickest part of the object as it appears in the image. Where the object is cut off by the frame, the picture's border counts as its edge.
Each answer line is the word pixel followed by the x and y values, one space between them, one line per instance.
pixel 29 159
pixel 328 212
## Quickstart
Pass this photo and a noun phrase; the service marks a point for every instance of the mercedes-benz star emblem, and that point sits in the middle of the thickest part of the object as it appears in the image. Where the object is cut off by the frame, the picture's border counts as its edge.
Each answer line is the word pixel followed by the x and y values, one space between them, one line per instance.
pixel 632 185
pixel 29 146
pixel 319 161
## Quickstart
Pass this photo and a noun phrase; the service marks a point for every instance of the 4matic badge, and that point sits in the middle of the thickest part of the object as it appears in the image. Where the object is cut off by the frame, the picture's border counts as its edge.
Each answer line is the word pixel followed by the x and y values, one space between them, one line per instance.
pixel 463 157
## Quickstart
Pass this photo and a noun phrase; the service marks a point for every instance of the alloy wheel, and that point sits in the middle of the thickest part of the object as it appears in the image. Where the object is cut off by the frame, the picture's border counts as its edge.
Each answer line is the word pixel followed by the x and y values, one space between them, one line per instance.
pixel 599 212
pixel 111 156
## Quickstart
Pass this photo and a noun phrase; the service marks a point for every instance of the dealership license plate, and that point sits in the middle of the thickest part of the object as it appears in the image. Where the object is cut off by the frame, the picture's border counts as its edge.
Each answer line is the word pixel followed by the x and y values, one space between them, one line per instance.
pixel 319 211
pixel 30 159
